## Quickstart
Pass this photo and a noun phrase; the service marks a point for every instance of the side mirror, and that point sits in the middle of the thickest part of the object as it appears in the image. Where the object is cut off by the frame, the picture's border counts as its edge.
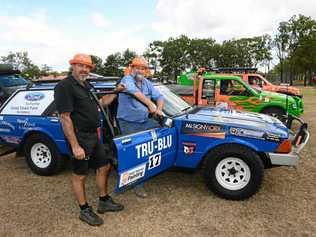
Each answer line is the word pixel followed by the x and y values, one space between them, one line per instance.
pixel 209 92
pixel 168 122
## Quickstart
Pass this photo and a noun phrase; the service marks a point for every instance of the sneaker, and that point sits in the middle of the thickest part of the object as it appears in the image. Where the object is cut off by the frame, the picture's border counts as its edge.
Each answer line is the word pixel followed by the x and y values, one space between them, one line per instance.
pixel 109 206
pixel 87 215
pixel 140 192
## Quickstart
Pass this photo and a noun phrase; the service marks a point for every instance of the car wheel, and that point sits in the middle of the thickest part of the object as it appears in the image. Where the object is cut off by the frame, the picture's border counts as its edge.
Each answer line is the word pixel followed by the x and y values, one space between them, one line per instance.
pixel 42 155
pixel 233 172
pixel 275 112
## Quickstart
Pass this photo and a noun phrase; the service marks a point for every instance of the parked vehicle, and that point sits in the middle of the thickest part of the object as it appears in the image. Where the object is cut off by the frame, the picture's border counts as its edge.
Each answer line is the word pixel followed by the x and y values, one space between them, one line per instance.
pixel 10 81
pixel 232 91
pixel 233 147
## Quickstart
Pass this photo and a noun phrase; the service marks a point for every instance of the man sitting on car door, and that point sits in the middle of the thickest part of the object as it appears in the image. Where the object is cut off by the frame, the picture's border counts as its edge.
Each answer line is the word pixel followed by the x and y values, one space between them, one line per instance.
pixel 133 110
pixel 80 119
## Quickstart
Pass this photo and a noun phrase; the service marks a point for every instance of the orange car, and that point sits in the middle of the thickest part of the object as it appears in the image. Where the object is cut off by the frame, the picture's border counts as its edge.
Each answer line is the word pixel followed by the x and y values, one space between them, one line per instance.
pixel 257 81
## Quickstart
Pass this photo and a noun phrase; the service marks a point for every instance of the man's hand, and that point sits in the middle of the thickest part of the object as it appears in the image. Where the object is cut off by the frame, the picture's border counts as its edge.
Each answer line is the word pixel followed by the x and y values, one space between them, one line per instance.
pixel 158 113
pixel 152 108
pixel 120 87
pixel 78 153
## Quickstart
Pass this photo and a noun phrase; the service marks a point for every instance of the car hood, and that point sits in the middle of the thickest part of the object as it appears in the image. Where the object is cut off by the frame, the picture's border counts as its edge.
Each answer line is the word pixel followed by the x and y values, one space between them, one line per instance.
pixel 276 96
pixel 288 89
pixel 234 118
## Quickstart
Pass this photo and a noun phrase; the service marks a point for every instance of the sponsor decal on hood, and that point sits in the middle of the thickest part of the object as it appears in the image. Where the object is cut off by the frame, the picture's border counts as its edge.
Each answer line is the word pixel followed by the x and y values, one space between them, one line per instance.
pixel 203 129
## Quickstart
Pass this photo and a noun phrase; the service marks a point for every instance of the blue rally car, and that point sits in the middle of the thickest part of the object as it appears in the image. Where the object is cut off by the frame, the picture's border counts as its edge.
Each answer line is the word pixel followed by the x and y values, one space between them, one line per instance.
pixel 233 147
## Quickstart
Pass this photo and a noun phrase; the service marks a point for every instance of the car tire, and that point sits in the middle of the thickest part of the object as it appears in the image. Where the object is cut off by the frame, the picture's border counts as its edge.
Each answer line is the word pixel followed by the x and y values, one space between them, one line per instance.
pixel 42 155
pixel 275 112
pixel 233 172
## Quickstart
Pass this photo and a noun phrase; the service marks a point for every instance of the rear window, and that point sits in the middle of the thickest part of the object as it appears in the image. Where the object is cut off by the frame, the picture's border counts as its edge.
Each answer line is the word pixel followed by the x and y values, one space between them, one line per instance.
pixel 12 80
pixel 33 102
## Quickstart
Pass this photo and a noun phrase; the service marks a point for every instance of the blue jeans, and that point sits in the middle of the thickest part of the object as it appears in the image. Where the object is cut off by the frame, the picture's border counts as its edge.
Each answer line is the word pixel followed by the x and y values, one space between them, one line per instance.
pixel 132 127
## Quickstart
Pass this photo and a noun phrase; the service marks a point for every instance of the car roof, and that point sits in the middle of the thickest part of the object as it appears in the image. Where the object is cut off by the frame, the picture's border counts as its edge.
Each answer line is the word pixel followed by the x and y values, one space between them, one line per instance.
pixel 221 76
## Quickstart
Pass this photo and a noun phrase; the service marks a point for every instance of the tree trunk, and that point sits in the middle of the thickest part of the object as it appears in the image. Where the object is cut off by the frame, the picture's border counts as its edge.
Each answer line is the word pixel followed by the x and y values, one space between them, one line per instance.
pixel 310 77
pixel 281 70
pixel 305 77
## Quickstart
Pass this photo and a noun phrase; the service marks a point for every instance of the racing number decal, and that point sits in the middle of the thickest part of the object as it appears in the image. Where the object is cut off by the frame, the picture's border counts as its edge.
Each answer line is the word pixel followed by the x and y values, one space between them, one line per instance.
pixel 154 161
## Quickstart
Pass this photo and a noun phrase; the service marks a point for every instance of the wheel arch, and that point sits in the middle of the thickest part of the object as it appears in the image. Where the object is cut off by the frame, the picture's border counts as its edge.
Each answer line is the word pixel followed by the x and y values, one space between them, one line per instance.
pixel 264 158
pixel 27 134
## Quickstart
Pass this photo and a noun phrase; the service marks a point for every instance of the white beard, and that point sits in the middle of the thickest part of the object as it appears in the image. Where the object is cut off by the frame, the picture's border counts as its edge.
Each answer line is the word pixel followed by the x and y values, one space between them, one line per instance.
pixel 82 78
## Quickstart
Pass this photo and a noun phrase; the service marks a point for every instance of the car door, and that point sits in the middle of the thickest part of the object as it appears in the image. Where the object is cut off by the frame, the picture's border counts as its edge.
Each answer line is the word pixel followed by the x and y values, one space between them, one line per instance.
pixel 143 155
pixel 237 95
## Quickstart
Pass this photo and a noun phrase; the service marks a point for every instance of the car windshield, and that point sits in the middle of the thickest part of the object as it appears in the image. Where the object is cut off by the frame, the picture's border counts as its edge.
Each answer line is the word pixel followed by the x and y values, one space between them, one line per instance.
pixel 173 103
pixel 12 80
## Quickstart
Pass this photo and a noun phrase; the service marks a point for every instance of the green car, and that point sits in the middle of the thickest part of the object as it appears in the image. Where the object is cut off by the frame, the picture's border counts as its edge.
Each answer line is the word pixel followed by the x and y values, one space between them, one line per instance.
pixel 232 91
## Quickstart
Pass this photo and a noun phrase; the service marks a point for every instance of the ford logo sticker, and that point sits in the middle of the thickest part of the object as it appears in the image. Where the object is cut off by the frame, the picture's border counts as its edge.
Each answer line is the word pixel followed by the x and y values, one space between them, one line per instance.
pixel 34 96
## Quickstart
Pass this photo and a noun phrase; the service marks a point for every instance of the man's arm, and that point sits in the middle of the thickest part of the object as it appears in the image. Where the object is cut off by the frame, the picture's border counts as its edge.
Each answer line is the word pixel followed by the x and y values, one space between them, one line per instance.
pixel 160 104
pixel 107 99
pixel 150 105
pixel 69 132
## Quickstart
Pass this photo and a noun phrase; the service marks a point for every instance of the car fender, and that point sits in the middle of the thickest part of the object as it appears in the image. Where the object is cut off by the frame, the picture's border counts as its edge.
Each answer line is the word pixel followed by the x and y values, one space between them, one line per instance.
pixel 60 144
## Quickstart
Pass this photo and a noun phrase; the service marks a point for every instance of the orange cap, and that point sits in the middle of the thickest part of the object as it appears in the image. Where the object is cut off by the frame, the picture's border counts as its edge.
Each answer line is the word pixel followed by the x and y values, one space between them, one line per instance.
pixel 139 62
pixel 82 59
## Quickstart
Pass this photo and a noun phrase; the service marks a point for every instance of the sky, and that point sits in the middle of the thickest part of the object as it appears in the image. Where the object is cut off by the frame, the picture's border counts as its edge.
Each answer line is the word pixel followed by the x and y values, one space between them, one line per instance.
pixel 53 31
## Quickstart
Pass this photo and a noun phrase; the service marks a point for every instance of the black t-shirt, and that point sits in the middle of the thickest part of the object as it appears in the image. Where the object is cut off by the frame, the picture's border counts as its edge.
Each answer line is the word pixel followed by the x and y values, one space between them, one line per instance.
pixel 70 96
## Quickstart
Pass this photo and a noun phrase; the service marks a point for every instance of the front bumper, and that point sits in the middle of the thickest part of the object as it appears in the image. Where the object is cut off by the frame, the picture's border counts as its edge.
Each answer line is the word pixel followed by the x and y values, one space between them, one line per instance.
pixel 298 143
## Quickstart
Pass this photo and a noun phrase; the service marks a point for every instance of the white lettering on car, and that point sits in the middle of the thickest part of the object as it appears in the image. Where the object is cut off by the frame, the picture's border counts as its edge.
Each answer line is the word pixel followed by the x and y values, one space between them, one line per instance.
pixel 148 148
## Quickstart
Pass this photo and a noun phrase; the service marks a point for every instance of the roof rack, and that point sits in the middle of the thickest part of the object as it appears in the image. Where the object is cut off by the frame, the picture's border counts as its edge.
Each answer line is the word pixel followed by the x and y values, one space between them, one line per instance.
pixel 8 69
pixel 235 69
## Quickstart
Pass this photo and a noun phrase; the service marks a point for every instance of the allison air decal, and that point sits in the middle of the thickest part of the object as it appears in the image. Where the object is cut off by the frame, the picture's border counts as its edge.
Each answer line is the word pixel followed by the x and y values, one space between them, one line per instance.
pixel 148 148
pixel 132 175
pixel 203 130
pixel 241 132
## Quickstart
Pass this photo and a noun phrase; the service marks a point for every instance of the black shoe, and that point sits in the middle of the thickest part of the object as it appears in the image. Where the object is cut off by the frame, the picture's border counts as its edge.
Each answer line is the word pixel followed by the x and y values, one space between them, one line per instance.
pixel 109 205
pixel 87 215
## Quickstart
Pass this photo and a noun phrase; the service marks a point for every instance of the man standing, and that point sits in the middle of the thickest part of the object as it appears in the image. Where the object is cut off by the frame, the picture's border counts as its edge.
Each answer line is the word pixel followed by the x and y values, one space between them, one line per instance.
pixel 80 119
pixel 133 114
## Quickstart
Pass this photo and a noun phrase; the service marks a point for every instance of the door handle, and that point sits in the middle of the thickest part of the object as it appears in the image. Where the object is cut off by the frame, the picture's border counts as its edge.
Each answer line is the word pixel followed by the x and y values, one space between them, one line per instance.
pixel 126 141
pixel 54 120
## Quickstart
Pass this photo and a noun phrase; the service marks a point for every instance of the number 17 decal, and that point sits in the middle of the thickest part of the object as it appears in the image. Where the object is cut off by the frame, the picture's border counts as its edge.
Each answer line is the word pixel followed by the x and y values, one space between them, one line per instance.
pixel 154 160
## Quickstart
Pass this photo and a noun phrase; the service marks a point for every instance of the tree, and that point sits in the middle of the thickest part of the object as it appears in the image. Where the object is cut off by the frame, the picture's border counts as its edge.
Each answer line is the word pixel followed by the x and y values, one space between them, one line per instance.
pixel 153 55
pixel 112 65
pixel 99 66
pixel 127 57
pixel 21 61
pixel 202 53
pixel 175 56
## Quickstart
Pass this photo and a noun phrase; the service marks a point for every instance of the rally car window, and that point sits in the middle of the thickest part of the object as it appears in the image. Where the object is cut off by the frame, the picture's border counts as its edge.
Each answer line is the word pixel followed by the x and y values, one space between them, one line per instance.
pixel 208 88
pixel 173 103
pixel 12 80
pixel 232 87
pixel 255 81
pixel 31 102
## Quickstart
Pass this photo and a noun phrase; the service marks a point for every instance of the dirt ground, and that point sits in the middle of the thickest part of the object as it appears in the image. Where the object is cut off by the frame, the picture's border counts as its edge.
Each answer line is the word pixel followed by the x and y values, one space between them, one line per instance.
pixel 179 203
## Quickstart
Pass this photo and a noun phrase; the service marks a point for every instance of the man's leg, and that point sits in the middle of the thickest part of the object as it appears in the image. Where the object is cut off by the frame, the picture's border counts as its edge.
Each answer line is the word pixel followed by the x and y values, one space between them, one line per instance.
pixel 102 179
pixel 103 167
pixel 80 170
pixel 78 186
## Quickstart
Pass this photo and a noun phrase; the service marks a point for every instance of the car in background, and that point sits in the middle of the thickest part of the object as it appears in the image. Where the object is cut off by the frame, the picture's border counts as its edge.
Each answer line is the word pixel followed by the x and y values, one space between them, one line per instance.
pixel 10 81
pixel 213 89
